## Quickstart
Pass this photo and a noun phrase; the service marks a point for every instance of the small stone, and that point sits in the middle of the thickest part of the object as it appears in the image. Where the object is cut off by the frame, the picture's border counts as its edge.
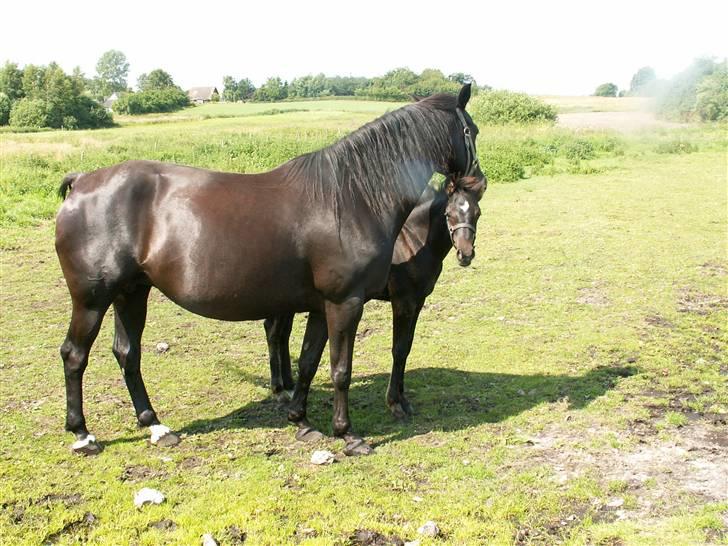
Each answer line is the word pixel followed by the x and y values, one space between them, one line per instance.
pixel 413 543
pixel 429 529
pixel 148 496
pixel 466 462
pixel 417 498
pixel 162 347
pixel 322 457
pixel 521 392
pixel 615 503
pixel 208 540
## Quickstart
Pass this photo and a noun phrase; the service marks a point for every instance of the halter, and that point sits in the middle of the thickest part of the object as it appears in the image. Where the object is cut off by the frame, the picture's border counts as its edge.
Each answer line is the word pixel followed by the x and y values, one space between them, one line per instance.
pixel 472 156
pixel 473 163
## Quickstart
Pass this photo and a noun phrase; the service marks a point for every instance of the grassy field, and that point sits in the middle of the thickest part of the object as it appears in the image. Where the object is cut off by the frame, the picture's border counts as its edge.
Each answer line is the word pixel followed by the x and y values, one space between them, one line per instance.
pixel 570 386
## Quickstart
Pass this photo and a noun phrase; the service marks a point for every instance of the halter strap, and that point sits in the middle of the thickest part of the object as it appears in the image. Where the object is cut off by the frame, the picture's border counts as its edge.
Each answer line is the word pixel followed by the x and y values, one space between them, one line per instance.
pixel 472 156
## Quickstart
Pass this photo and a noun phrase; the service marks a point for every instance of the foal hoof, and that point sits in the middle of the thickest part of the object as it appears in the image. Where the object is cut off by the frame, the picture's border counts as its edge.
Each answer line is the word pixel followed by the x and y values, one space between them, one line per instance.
pixel 356 446
pixel 87 446
pixel 168 439
pixel 283 397
pixel 308 434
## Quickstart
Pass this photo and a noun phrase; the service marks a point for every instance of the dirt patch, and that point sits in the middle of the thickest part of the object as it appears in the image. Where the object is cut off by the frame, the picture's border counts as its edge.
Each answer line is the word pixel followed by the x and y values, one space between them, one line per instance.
pixel 163 525
pixel 657 320
pixel 235 535
pixel 69 499
pixel 657 473
pixel 625 122
pixel 692 301
pixel 714 269
pixel 138 473
pixel 75 527
pixel 592 295
pixel 365 537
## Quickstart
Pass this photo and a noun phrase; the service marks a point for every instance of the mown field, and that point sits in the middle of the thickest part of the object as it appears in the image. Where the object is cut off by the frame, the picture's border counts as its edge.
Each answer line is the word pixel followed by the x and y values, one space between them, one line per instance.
pixel 570 386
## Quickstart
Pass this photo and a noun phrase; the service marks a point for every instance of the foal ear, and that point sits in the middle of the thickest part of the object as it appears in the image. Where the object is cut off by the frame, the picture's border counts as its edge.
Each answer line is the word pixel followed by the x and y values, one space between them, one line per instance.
pixel 450 186
pixel 464 96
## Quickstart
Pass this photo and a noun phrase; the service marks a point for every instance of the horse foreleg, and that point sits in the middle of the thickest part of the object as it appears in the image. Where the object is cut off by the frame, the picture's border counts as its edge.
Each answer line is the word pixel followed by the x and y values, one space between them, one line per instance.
pixel 404 322
pixel 342 320
pixel 84 327
pixel 278 333
pixel 314 341
pixel 130 310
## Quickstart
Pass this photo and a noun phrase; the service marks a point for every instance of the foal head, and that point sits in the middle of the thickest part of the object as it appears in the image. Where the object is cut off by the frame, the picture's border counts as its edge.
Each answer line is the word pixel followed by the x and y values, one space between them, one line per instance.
pixel 462 213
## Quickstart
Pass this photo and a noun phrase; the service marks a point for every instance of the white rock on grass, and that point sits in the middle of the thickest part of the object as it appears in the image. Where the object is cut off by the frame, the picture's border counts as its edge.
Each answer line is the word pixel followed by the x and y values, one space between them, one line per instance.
pixel 148 496
pixel 322 457
pixel 616 502
pixel 208 540
pixel 429 529
pixel 162 347
pixel 413 543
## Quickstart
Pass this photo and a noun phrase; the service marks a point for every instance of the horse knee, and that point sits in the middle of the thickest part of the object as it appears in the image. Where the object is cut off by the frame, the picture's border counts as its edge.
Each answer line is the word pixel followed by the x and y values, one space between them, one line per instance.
pixel 341 378
pixel 74 358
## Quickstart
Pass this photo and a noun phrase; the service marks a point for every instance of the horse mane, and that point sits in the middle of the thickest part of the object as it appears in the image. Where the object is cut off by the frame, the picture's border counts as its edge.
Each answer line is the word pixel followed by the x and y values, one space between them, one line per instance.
pixel 384 160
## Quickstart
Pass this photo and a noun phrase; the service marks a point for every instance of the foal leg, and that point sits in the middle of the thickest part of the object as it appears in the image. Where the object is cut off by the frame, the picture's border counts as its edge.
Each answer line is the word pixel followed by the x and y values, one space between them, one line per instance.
pixel 278 333
pixel 342 321
pixel 84 327
pixel 404 321
pixel 130 309
pixel 314 341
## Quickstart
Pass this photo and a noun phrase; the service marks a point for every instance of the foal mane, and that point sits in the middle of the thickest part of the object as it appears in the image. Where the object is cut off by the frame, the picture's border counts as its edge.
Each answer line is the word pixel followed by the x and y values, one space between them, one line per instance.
pixel 382 161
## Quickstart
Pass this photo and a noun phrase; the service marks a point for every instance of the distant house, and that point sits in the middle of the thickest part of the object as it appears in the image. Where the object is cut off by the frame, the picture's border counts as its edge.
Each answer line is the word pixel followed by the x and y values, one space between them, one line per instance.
pixel 108 103
pixel 201 95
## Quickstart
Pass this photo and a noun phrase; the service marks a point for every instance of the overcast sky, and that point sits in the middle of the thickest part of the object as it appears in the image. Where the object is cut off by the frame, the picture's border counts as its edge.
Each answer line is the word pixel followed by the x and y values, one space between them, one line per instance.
pixel 541 47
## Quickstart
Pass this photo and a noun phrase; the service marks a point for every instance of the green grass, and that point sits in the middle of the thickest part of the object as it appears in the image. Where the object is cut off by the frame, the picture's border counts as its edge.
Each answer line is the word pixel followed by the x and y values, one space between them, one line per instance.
pixel 593 314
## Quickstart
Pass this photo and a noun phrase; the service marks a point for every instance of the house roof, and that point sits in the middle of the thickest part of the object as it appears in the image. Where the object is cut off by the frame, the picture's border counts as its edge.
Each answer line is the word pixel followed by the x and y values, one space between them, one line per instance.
pixel 201 93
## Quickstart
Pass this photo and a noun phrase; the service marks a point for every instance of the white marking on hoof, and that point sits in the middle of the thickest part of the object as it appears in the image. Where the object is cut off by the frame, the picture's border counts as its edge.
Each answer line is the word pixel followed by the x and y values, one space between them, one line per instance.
pixel 465 207
pixel 80 444
pixel 158 431
pixel 290 394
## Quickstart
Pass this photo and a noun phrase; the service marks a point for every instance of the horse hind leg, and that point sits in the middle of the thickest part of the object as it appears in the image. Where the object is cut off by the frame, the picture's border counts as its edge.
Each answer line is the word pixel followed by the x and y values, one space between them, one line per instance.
pixel 278 333
pixel 82 332
pixel 130 313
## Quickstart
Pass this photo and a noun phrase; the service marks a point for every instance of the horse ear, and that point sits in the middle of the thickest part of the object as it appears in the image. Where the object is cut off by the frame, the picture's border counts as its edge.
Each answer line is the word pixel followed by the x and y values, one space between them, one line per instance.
pixel 464 96
pixel 416 98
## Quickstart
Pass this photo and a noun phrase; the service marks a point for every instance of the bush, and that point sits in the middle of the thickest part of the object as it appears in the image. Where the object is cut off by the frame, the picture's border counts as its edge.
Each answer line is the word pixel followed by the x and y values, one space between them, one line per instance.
pixel 29 113
pixel 606 90
pixel 578 149
pixel 5 106
pixel 712 96
pixel 503 107
pixel 679 100
pixel 676 147
pixel 153 100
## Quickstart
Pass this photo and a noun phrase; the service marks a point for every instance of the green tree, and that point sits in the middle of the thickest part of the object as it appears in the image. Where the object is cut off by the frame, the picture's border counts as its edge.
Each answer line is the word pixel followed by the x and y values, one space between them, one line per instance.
pixel 606 90
pixel 112 70
pixel 11 81
pixel 28 112
pixel 679 99
pixel 272 90
pixel 234 91
pixel 5 106
pixel 712 96
pixel 156 79
pixel 643 82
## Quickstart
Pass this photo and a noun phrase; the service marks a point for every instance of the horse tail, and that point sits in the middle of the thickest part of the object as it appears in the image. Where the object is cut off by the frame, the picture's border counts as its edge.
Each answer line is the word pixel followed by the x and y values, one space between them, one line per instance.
pixel 67 184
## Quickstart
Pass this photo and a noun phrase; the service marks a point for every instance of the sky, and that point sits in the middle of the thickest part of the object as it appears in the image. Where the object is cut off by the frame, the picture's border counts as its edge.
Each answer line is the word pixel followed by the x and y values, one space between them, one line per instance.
pixel 554 47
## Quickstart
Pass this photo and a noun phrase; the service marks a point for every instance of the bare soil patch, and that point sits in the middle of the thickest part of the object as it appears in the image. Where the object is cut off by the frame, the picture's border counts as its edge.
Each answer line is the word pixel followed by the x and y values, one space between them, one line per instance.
pixel 624 122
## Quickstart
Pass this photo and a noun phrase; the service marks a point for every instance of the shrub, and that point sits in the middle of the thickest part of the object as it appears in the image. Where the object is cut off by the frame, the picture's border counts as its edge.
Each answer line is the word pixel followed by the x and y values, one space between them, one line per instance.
pixel 153 100
pixel 578 149
pixel 679 99
pixel 676 147
pixel 5 106
pixel 606 90
pixel 29 113
pixel 503 107
pixel 712 96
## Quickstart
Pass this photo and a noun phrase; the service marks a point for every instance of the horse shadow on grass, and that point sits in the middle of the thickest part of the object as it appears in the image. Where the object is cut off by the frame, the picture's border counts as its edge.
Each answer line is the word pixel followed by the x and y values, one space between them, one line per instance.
pixel 444 400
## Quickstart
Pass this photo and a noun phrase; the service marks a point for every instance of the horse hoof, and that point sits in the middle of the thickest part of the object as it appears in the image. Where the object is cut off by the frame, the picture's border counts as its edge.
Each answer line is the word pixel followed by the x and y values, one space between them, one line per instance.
pixel 86 447
pixel 308 434
pixel 167 440
pixel 357 447
pixel 283 397
pixel 398 412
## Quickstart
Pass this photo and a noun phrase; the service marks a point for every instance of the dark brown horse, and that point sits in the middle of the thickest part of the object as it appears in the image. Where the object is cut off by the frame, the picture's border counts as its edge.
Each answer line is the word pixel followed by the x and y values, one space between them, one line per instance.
pixel 315 234
pixel 442 219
